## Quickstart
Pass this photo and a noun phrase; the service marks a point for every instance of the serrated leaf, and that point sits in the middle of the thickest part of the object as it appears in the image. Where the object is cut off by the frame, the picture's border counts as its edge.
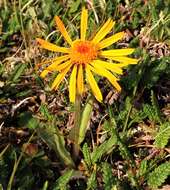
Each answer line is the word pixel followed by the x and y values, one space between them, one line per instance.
pixel 105 147
pixel 143 167
pixel 61 183
pixel 150 112
pixel 159 175
pixel 154 72
pixel 136 116
pixel 163 135
pixel 92 183
pixel 123 113
pixel 108 178
pixel 87 156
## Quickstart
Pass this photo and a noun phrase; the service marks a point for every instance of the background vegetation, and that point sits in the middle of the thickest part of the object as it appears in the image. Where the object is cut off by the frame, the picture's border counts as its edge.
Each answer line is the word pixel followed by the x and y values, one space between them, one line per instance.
pixel 127 144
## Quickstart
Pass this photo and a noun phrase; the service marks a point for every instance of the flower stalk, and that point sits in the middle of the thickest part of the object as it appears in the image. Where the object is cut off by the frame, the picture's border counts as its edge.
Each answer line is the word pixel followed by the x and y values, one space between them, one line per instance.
pixel 76 129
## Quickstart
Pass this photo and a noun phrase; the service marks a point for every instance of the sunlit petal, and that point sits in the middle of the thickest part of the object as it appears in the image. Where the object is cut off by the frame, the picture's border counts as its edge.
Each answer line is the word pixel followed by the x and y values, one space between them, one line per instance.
pixel 62 66
pixel 80 82
pixel 117 52
pixel 53 65
pixel 112 39
pixel 95 89
pixel 63 30
pixel 72 85
pixel 124 59
pixel 105 29
pixel 106 65
pixel 83 26
pixel 44 73
pixel 59 78
pixel 111 78
pixel 52 47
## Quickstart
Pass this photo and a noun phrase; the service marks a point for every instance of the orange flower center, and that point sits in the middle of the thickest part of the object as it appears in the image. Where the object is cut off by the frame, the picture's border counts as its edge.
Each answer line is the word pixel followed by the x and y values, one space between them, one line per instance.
pixel 83 52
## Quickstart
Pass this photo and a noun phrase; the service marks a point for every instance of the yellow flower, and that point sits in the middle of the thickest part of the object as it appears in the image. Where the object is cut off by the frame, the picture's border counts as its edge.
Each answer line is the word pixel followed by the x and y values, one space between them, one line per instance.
pixel 89 56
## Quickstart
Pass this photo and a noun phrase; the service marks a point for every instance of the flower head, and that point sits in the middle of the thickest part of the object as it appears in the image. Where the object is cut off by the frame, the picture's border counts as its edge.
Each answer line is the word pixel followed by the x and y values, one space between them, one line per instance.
pixel 87 56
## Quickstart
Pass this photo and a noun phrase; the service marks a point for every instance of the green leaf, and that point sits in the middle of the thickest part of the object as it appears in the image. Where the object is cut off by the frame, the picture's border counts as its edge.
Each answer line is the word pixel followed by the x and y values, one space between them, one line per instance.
pixel 45 186
pixel 143 167
pixel 150 112
pixel 154 13
pixel 33 123
pixel 108 178
pixel 51 135
pixel 85 120
pixel 92 183
pixel 1 188
pixel 87 156
pixel 74 6
pixel 45 112
pixel 154 71
pixel 157 177
pixel 61 183
pixel 18 71
pixel 26 119
pixel 136 116
pixel 163 135
pixel 105 147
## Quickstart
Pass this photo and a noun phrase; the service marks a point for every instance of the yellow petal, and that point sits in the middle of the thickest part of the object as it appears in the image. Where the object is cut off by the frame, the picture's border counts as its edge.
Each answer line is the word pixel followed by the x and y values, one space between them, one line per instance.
pixel 63 30
pixel 95 89
pixel 105 29
pixel 62 66
pixel 117 52
pixel 72 85
pixel 112 79
pixel 59 78
pixel 112 39
pixel 53 65
pixel 83 26
pixel 80 83
pixel 52 47
pixel 44 73
pixel 125 60
pixel 106 65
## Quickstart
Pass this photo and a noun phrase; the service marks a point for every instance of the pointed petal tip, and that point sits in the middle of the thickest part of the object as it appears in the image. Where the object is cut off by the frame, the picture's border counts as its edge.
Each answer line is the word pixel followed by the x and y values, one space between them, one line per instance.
pixel 44 73
pixel 84 8
pixel 39 41
pixel 57 18
pixel 100 100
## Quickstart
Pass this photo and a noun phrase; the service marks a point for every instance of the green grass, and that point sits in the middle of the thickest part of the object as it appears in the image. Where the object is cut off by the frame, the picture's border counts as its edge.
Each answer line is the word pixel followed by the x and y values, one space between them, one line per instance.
pixel 126 144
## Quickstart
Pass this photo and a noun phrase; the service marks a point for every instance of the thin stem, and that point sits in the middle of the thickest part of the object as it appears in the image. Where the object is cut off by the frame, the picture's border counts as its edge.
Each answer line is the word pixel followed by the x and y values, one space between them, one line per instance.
pixel 5 5
pixel 77 120
pixel 133 96
pixel 16 164
pixel 4 150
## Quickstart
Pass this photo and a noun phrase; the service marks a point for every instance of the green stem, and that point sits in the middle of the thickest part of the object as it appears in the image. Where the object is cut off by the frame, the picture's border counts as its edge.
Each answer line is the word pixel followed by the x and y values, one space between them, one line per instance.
pixel 133 96
pixel 4 150
pixel 16 165
pixel 76 129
